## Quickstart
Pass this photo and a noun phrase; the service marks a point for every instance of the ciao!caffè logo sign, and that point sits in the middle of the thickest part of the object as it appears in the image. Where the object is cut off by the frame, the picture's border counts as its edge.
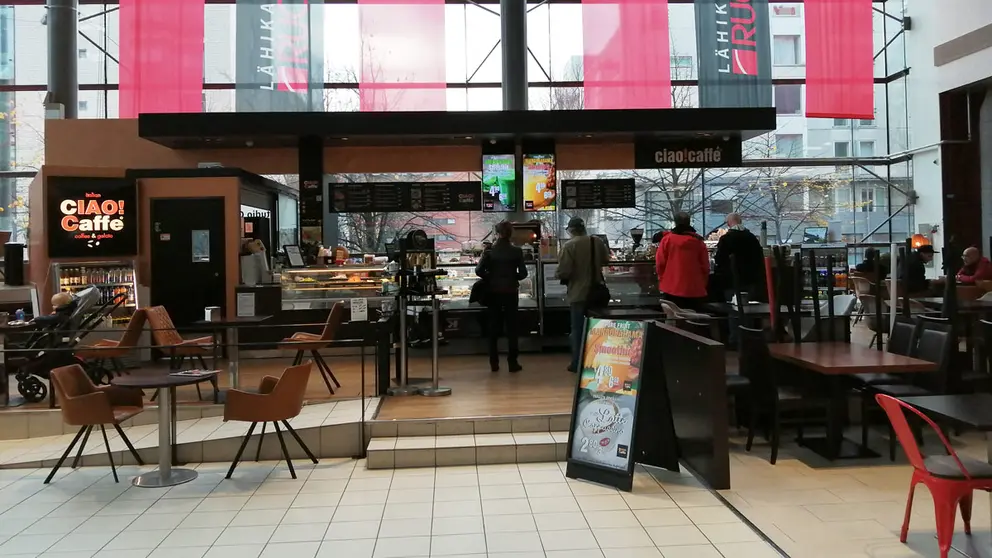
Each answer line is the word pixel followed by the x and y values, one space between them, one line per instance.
pixel 690 153
pixel 91 217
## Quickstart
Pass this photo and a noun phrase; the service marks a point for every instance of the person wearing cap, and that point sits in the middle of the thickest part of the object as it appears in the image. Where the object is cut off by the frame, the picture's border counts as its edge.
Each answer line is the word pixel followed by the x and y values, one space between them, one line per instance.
pixel 580 266
pixel 683 265
pixel 915 279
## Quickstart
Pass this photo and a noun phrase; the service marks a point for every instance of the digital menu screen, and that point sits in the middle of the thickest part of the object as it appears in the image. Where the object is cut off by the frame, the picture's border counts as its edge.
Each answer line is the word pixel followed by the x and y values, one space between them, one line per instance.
pixel 91 217
pixel 540 185
pixel 606 404
pixel 499 183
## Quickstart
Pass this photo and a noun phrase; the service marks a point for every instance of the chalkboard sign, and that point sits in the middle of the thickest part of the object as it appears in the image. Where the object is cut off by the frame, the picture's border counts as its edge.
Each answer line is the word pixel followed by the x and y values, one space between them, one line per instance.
pixel 609 427
pixel 598 193
pixel 386 197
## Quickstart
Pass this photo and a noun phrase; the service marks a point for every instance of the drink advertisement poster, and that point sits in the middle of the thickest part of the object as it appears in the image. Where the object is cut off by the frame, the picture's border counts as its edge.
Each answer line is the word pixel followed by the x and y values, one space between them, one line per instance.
pixel 609 378
pixel 499 183
pixel 540 186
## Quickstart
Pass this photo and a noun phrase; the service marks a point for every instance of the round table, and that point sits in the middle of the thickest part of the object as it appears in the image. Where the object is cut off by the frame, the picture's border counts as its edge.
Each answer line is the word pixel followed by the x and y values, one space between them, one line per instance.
pixel 166 385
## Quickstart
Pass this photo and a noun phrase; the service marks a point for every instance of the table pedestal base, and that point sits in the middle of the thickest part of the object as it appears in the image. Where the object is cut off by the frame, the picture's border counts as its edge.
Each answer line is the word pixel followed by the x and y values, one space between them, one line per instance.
pixel 156 480
pixel 848 449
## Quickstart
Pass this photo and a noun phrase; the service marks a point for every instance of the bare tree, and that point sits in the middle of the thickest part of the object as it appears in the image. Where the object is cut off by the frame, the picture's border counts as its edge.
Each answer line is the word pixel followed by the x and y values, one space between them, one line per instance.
pixel 787 197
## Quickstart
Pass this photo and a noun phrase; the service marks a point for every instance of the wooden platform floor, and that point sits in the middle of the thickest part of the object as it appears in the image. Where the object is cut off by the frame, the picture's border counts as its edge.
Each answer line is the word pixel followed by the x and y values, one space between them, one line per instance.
pixel 346 369
pixel 543 387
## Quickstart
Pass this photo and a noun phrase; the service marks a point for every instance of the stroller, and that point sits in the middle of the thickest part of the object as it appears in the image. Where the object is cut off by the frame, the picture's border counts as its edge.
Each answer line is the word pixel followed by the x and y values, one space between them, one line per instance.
pixel 49 346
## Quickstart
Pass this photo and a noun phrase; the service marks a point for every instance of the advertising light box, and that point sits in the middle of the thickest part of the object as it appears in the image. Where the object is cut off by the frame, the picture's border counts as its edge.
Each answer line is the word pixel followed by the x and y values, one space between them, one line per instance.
pixel 91 217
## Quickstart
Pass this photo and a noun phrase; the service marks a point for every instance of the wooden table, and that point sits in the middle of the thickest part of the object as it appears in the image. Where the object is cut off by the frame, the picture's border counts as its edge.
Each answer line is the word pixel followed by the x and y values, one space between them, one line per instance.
pixel 836 361
pixel 973 410
pixel 166 385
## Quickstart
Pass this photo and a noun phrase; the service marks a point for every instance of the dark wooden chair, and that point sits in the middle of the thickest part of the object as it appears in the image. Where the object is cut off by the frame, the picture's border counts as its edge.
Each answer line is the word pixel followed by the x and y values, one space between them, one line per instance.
pixel 770 394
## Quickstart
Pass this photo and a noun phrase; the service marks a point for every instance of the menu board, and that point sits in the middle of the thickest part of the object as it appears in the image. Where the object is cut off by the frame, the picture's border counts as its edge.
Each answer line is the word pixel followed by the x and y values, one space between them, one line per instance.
pixel 606 403
pixel 91 217
pixel 385 197
pixel 499 183
pixel 598 193
pixel 540 185
pixel 311 203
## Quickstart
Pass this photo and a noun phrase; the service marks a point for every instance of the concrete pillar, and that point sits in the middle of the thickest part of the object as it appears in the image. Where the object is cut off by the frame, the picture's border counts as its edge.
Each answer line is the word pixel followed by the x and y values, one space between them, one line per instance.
pixel 63 75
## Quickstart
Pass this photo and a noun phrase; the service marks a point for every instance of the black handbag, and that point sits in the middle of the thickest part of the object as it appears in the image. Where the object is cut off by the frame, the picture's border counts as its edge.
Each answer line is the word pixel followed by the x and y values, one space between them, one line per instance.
pixel 599 293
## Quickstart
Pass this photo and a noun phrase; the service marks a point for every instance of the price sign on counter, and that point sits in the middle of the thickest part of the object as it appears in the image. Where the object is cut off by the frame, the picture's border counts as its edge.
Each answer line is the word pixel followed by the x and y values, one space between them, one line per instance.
pixel 359 310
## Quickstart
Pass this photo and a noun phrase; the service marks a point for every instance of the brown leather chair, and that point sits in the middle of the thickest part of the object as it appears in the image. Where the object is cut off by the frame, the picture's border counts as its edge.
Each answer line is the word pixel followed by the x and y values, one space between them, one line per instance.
pixel 277 400
pixel 302 342
pixel 109 351
pixel 87 405
pixel 168 339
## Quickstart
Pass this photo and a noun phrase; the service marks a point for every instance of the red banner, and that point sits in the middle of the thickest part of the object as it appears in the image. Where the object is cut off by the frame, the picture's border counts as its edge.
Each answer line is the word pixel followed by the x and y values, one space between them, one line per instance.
pixel 161 56
pixel 403 55
pixel 626 58
pixel 839 59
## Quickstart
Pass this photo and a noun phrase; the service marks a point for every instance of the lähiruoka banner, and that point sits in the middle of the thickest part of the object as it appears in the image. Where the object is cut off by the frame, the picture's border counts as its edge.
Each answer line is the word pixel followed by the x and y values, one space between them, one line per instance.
pixel 735 62
pixel 280 56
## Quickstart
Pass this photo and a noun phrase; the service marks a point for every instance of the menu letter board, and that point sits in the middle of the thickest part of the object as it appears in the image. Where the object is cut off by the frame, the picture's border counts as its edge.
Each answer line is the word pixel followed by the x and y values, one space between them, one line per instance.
pixel 605 409
pixel 386 197
pixel 499 183
pixel 540 189
pixel 599 193
pixel 91 217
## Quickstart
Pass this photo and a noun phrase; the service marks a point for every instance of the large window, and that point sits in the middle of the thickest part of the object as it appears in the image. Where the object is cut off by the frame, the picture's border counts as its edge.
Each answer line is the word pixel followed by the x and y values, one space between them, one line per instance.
pixel 787 50
pixel 788 99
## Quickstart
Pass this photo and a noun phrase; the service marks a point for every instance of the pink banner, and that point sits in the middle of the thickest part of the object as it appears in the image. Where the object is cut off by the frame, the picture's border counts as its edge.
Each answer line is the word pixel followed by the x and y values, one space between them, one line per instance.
pixel 403 60
pixel 161 56
pixel 626 59
pixel 839 59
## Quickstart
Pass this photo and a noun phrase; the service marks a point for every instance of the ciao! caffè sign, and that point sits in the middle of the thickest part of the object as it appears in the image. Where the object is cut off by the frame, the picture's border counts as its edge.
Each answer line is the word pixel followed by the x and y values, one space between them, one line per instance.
pixel 91 217
pixel 689 153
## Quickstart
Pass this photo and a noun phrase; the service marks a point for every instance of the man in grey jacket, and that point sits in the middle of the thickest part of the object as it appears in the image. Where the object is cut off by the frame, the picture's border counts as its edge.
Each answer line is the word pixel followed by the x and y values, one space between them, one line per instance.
pixel 580 266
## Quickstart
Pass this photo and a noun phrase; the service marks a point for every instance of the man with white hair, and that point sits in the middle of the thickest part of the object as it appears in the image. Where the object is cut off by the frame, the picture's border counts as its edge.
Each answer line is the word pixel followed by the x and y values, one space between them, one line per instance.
pixel 976 267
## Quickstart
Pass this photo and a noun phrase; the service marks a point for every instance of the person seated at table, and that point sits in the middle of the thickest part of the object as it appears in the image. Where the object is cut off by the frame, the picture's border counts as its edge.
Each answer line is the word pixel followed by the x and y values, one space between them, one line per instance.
pixel 976 267
pixel 915 279
pixel 875 264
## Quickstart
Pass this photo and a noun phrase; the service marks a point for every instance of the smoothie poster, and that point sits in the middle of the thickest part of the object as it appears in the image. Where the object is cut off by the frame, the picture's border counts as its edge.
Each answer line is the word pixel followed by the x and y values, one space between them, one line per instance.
pixel 608 384
pixel 540 187
pixel 499 183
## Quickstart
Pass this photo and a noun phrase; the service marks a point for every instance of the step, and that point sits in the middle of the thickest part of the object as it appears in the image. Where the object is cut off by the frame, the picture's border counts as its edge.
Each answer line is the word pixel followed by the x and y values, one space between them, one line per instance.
pixel 466 449
pixel 329 429
pixel 462 426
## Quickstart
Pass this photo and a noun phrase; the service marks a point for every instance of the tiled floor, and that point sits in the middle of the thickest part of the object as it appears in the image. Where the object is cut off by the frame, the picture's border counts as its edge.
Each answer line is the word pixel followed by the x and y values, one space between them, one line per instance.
pixel 849 509
pixel 188 431
pixel 340 509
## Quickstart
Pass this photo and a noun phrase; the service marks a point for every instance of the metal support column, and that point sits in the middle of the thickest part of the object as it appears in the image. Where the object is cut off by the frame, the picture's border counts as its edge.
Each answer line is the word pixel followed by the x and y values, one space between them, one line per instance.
pixel 513 36
pixel 63 76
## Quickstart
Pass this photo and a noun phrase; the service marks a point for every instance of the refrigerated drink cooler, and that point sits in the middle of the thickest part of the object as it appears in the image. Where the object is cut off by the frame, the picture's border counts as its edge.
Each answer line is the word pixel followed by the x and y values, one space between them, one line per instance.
pixel 113 279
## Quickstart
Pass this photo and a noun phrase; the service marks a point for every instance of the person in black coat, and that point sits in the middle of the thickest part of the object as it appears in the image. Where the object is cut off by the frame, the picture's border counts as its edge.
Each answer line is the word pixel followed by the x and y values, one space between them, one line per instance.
pixel 502 268
pixel 750 259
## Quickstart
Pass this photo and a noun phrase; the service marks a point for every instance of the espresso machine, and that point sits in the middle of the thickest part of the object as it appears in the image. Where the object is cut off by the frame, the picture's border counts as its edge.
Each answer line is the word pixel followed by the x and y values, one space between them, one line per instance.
pixel 417 279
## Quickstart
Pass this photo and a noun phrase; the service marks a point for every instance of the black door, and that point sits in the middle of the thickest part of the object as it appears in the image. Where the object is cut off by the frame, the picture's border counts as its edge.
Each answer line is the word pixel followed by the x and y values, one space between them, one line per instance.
pixel 187 256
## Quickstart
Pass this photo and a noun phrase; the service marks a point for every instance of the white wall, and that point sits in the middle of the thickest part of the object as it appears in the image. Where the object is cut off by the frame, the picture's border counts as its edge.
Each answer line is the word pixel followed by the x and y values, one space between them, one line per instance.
pixel 935 23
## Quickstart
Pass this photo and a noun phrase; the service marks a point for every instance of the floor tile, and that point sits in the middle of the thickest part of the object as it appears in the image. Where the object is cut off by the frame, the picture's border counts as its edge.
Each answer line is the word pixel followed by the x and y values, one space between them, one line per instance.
pixel 628 537
pixel 463 525
pixel 299 532
pixel 294 549
pixel 610 519
pixel 460 509
pixel 179 552
pixel 576 539
pixel 390 528
pixel 235 551
pixel 308 515
pixel 193 537
pixel 691 551
pixel 645 552
pixel 560 521
pixel 407 547
pixel 452 545
pixel 352 530
pixel 517 542
pixel 255 534
pixel 729 533
pixel 407 511
pixel 554 505
pixel 358 513
pixel 355 548
pixel 510 523
pixel 131 540
pixel 680 535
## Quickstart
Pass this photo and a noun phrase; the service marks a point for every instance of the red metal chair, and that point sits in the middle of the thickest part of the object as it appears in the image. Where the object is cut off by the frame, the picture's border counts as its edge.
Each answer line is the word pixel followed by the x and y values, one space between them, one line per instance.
pixel 950 478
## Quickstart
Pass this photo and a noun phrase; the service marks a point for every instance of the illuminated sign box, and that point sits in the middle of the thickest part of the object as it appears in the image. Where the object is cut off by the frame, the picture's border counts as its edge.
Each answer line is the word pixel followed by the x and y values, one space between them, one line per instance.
pixel 91 217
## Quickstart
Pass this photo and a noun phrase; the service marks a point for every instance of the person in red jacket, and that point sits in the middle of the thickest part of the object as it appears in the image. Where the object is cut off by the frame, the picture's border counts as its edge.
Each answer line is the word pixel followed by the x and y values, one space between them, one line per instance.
pixel 976 267
pixel 683 265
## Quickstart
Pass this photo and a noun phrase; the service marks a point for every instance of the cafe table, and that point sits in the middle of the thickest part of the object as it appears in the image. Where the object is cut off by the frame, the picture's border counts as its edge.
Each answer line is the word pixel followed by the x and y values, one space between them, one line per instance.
pixel 972 410
pixel 230 325
pixel 836 361
pixel 166 384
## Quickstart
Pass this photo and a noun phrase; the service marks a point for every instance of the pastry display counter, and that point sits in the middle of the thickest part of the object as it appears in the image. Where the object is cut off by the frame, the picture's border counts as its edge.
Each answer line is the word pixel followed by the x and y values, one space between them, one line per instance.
pixel 318 288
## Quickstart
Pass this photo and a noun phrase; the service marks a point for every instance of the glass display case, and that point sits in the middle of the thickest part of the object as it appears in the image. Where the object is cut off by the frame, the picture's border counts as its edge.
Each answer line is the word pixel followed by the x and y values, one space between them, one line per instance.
pixel 320 287
pixel 631 283
pixel 461 277
pixel 114 279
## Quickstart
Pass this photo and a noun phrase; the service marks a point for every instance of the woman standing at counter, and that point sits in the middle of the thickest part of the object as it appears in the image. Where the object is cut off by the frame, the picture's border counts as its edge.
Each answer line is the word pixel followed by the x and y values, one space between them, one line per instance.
pixel 502 268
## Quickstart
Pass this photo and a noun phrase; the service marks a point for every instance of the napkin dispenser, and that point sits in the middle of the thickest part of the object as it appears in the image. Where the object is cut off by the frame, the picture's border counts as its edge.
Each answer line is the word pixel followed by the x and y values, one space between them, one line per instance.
pixel 212 314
